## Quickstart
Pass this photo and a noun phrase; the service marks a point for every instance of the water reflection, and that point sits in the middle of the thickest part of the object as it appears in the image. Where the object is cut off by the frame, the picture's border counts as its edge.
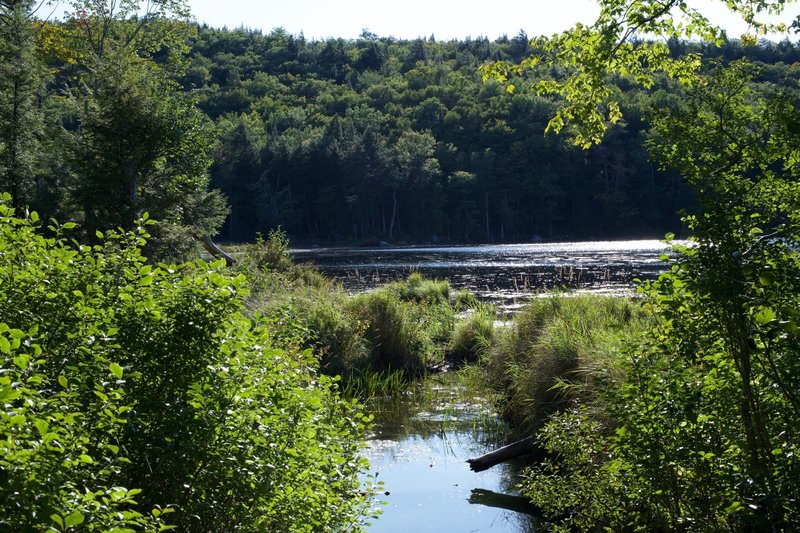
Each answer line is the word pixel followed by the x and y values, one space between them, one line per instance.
pixel 419 449
pixel 499 273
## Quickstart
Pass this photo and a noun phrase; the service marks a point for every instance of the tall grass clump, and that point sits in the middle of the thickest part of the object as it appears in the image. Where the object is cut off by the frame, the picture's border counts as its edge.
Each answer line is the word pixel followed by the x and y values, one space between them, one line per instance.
pixel 403 327
pixel 407 324
pixel 555 352
pixel 417 288
pixel 473 336
pixel 397 337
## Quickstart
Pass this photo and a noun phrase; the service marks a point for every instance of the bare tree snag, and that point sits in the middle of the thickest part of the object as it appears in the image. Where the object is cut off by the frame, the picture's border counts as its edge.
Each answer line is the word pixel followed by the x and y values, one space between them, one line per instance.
pixel 213 249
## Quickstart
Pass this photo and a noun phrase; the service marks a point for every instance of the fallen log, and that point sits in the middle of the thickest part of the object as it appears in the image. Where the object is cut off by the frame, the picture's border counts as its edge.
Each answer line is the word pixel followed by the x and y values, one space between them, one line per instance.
pixel 213 249
pixel 501 455
pixel 518 504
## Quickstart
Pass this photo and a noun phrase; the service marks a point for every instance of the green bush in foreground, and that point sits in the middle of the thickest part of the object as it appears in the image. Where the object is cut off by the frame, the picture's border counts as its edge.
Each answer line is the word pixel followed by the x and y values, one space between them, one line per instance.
pixel 137 396
pixel 701 428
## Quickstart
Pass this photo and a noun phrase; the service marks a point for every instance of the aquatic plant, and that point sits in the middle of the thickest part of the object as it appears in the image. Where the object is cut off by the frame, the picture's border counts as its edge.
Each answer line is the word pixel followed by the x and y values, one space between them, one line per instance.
pixel 556 350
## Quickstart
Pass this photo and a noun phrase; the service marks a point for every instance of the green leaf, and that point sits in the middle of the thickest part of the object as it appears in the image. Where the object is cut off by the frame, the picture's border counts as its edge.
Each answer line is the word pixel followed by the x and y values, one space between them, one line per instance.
pixel 116 370
pixel 58 520
pixel 62 381
pixel 42 426
pixel 765 316
pixel 21 361
pixel 8 394
pixel 74 519
pixel 5 346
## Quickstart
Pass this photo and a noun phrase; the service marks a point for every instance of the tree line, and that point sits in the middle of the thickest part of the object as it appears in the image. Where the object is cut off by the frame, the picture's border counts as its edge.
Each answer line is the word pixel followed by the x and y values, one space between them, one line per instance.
pixel 235 132
pixel 402 140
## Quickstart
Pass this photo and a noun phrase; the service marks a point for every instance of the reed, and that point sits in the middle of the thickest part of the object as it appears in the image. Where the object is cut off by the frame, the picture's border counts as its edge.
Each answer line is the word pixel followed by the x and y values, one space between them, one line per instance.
pixel 473 336
pixel 556 351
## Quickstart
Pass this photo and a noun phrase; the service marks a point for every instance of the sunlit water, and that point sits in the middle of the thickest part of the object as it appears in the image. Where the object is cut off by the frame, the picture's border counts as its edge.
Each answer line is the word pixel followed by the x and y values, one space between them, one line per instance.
pixel 419 450
pixel 506 275
pixel 419 447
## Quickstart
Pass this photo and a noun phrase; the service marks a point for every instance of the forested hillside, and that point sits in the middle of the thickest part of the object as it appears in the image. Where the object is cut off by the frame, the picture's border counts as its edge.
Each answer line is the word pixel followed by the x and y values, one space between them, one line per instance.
pixel 335 141
pixel 379 138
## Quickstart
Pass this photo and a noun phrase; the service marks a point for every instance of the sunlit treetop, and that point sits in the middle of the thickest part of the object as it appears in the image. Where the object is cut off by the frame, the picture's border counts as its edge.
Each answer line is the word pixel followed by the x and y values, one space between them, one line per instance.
pixel 92 27
pixel 629 38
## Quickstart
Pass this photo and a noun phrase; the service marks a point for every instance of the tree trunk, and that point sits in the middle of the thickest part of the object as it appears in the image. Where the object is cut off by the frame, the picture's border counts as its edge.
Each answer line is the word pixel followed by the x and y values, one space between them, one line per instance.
pixel 213 249
pixel 501 455
pixel 394 213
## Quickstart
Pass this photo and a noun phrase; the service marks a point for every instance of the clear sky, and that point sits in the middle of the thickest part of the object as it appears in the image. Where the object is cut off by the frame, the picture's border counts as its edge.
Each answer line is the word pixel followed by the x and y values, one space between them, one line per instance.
pixel 408 19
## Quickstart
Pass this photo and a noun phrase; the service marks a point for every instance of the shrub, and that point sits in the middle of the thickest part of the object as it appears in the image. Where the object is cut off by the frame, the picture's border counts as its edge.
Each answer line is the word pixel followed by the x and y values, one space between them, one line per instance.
pixel 136 395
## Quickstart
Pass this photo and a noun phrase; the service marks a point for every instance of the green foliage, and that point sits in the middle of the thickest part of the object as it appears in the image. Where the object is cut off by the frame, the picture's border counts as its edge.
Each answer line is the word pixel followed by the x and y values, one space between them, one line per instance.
pixel 558 350
pixel 141 148
pixel 396 331
pixel 418 289
pixel 421 151
pixel 266 255
pixel 21 76
pixel 136 395
pixel 473 336
pixel 612 46
pixel 701 427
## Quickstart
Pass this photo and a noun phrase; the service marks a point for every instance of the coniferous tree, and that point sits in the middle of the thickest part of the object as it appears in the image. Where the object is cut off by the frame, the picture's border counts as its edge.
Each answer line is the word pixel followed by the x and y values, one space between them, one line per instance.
pixel 20 86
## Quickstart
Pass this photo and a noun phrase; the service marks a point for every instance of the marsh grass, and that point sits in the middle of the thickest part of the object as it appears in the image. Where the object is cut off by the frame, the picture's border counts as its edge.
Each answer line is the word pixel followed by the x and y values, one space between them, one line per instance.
pixel 556 351
pixel 417 288
pixel 400 329
pixel 365 384
pixel 473 336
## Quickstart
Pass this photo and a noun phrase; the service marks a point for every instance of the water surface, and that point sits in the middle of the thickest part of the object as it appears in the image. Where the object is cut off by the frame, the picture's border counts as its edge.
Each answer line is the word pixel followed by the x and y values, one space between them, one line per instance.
pixel 419 449
pixel 503 274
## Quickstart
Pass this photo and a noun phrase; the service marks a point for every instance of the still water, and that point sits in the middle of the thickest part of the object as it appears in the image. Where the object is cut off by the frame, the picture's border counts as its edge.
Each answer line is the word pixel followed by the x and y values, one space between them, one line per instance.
pixel 505 275
pixel 418 449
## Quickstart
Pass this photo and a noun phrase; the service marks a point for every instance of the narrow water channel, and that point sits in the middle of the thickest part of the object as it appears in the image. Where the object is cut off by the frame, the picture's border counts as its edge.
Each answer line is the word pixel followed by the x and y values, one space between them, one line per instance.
pixel 418 449
pixel 420 443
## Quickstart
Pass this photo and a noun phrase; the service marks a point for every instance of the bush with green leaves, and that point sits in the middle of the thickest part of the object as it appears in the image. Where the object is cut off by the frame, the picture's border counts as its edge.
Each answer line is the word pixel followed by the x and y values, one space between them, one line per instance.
pixel 703 424
pixel 137 396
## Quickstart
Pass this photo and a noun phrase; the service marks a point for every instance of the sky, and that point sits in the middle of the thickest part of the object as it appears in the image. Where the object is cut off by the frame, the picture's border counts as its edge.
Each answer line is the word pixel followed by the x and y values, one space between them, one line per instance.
pixel 409 19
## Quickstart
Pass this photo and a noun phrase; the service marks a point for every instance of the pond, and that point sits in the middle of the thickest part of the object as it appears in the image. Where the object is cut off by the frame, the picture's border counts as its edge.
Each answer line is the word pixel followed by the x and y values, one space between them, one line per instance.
pixel 505 275
pixel 418 449
pixel 420 444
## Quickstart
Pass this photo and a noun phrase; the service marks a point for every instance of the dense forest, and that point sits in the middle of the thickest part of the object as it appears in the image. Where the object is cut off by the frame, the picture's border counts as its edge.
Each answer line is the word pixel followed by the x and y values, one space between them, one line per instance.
pixel 380 138
pixel 340 141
